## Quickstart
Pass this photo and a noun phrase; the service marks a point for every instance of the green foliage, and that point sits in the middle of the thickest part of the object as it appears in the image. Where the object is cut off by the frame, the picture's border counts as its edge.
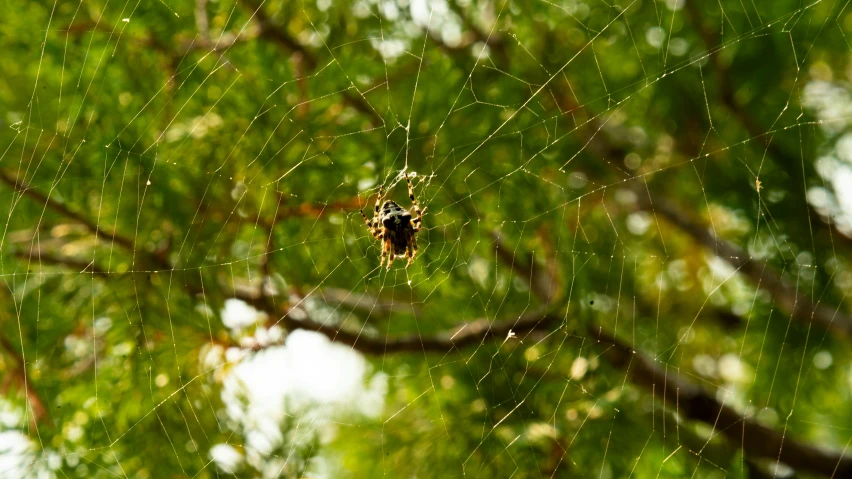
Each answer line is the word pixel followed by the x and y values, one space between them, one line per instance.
pixel 158 158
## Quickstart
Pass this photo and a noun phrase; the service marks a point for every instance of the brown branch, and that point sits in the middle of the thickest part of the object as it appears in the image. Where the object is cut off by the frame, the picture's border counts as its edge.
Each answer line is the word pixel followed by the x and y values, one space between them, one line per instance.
pixel 494 40
pixel 226 41
pixel 727 97
pixel 151 41
pixel 17 374
pixel 25 189
pixel 475 332
pixel 364 302
pixel 467 22
pixel 158 259
pixel 541 280
pixel 272 32
pixel 202 23
pixel 279 35
pixel 79 265
pixel 756 440
pixel 317 210
pixel 185 46
pixel 88 26
pixel 785 295
pixel 720 70
pixel 306 209
pixel 694 403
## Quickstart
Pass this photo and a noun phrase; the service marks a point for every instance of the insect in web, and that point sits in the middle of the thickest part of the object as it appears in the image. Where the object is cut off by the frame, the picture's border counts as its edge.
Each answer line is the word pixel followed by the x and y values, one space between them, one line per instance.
pixel 395 228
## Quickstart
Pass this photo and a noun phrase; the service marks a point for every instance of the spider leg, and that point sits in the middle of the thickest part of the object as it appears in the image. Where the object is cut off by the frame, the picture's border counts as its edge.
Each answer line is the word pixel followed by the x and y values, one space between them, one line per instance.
pixel 379 200
pixel 416 221
pixel 384 255
pixel 410 253
pixel 411 249
pixel 374 230
pixel 367 221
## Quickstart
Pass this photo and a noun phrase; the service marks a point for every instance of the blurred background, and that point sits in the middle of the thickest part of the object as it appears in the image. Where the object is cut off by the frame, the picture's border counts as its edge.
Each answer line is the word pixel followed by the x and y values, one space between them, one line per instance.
pixel 634 260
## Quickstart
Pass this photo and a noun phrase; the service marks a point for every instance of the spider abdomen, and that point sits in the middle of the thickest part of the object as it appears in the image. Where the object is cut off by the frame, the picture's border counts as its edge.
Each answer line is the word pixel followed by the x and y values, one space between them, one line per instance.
pixel 393 225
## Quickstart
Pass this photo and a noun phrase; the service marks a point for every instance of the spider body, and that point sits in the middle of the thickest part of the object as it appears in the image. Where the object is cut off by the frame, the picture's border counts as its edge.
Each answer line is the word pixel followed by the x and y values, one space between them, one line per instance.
pixel 394 227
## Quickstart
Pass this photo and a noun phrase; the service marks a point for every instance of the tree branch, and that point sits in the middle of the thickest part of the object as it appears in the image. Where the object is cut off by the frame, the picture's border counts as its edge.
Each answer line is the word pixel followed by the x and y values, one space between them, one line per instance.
pixel 306 209
pixel 541 280
pixel 22 187
pixel 158 259
pixel 785 295
pixel 756 440
pixel 18 375
pixel 789 300
pixel 727 97
pixel 316 210
pixel 493 40
pixel 280 36
pixel 272 32
pixel 474 332
pixel 202 23
pixel 364 302
pixel 79 265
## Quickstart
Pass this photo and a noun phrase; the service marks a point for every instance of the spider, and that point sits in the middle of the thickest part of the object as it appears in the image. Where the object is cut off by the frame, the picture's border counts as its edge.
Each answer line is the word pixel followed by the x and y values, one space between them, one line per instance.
pixel 393 226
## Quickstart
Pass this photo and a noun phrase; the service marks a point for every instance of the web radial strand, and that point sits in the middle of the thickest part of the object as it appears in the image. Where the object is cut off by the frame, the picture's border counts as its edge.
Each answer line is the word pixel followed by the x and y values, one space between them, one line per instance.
pixel 619 232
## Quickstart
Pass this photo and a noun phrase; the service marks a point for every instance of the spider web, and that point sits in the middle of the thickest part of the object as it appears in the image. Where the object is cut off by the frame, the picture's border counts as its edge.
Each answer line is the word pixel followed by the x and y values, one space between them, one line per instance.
pixel 631 263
